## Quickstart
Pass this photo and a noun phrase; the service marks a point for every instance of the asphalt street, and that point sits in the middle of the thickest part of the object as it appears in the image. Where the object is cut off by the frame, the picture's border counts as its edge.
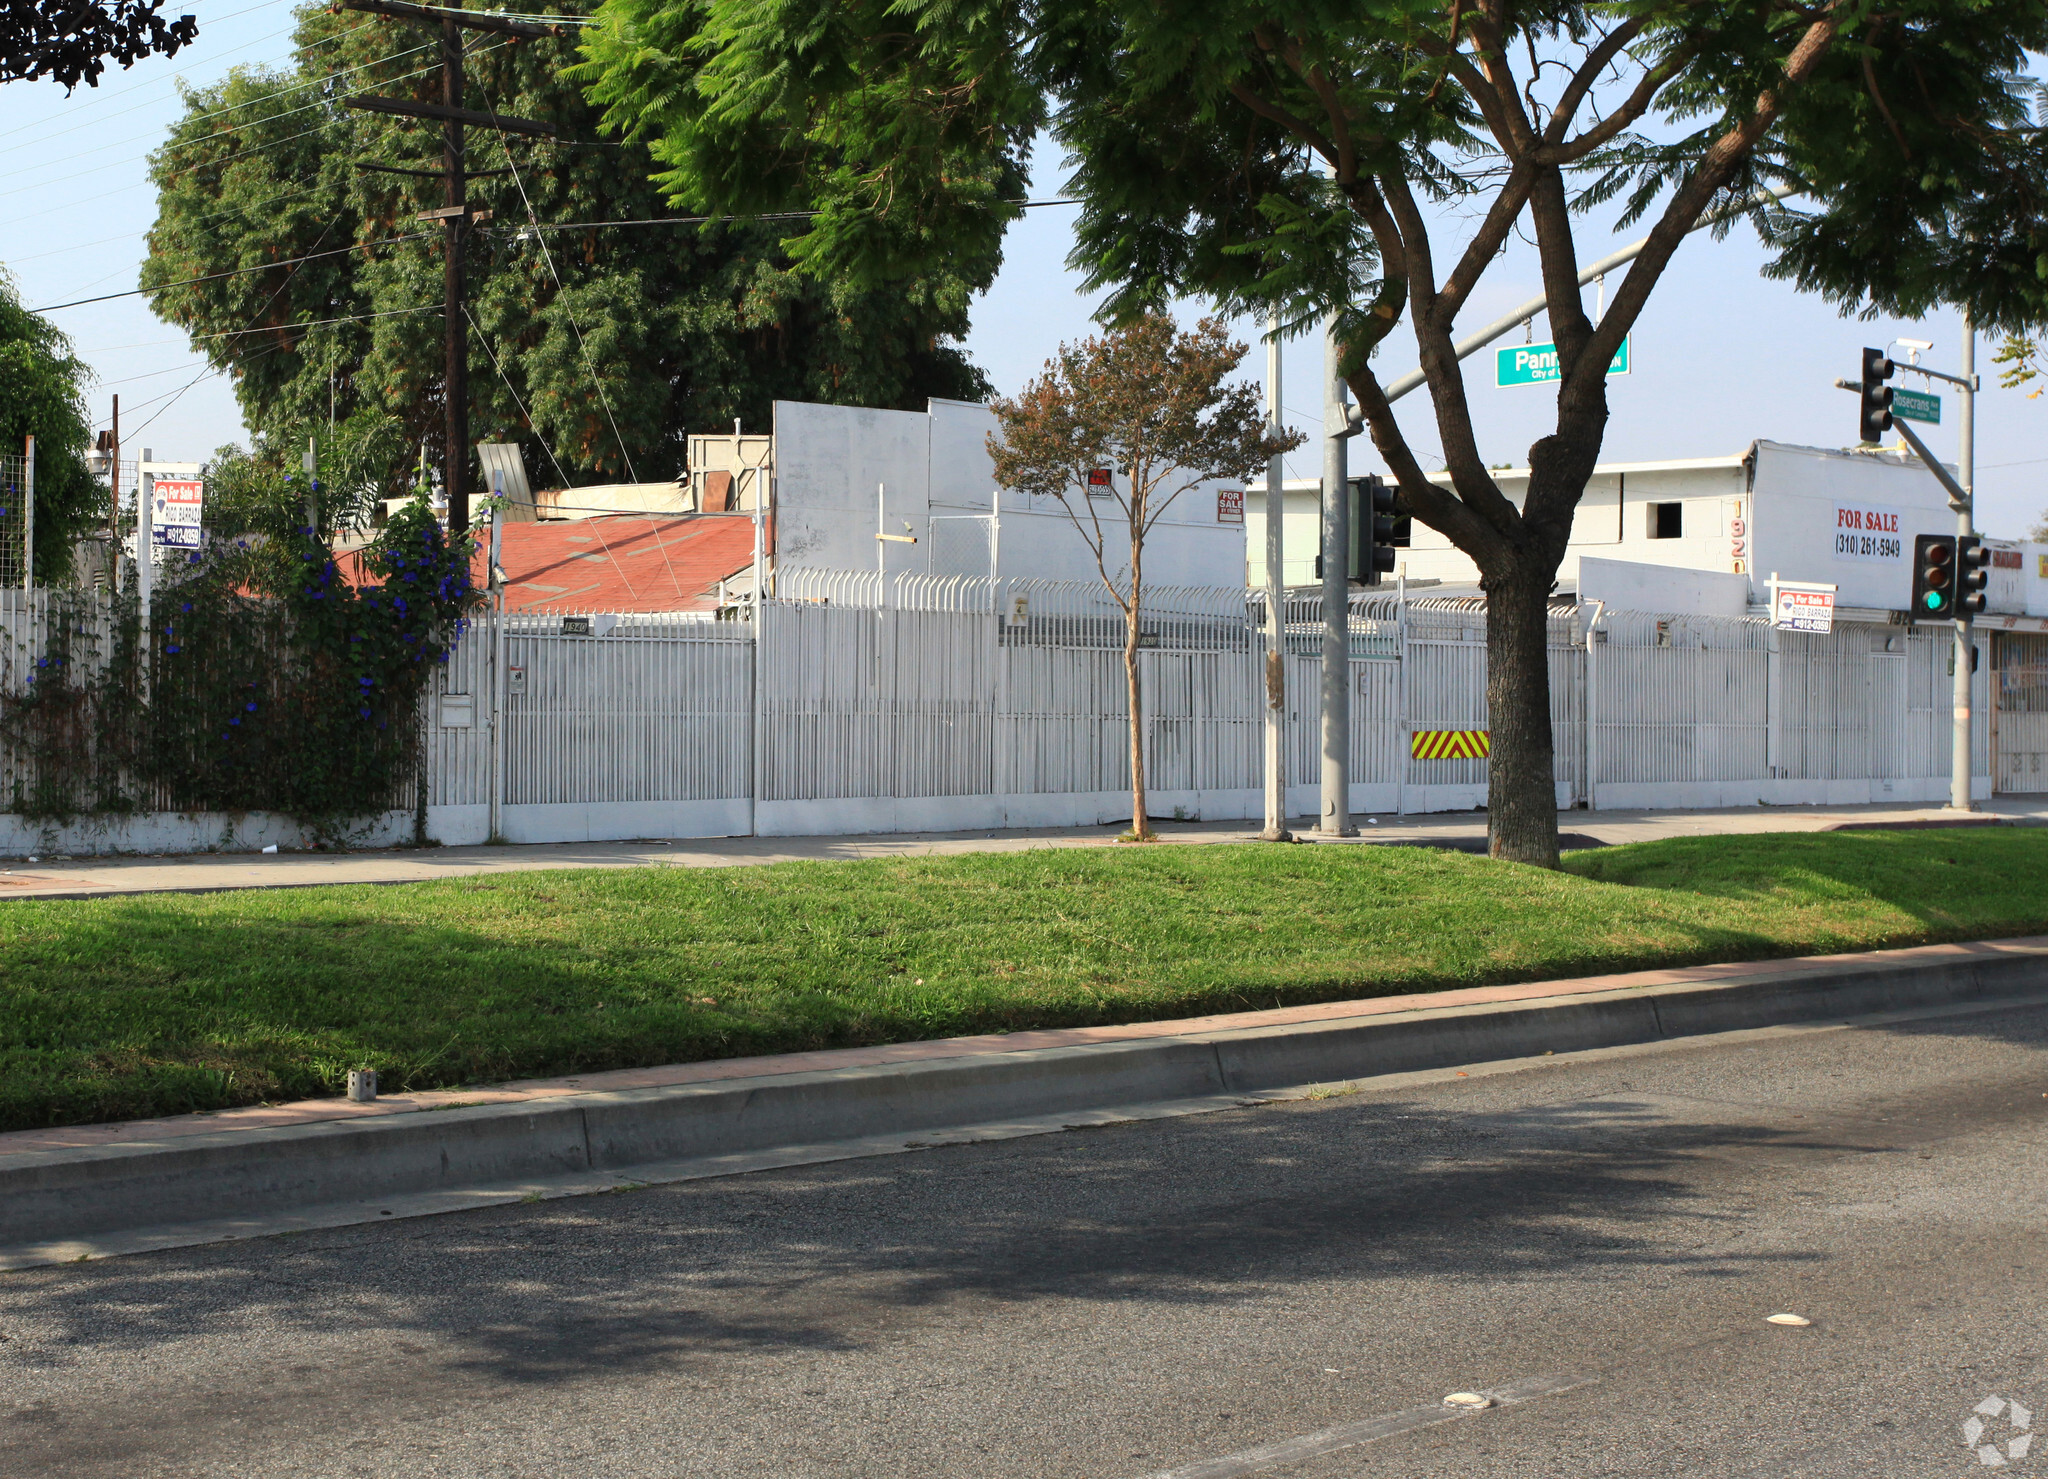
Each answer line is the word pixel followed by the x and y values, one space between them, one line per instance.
pixel 1288 1289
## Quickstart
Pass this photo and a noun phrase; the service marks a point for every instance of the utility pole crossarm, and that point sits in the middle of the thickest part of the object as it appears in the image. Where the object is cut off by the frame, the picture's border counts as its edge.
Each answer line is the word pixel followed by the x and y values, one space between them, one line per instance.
pixel 406 108
pixel 435 14
pixel 427 174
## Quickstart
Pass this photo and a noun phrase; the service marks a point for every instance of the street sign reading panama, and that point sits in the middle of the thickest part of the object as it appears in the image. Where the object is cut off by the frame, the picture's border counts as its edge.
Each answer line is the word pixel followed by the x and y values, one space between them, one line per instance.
pixel 1535 364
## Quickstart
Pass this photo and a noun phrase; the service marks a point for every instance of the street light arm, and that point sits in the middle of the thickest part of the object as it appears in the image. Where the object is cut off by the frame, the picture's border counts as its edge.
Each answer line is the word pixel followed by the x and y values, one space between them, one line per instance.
pixel 1467 347
pixel 1957 498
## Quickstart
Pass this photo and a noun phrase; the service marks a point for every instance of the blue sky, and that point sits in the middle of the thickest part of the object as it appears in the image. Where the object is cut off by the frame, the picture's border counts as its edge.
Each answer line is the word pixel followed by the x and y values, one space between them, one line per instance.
pixel 1722 356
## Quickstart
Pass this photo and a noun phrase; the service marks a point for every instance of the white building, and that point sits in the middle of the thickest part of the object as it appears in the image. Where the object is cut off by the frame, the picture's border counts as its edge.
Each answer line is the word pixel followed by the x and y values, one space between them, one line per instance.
pixel 914 493
pixel 1703 536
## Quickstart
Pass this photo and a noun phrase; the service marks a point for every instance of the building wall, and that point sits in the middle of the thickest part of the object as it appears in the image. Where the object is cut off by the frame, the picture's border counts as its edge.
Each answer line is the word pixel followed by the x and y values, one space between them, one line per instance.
pixel 839 472
pixel 840 469
pixel 1845 517
pixel 1809 514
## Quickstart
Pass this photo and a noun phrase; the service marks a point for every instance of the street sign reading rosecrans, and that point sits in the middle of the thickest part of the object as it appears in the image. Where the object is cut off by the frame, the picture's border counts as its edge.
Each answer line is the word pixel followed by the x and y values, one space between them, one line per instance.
pixel 1536 364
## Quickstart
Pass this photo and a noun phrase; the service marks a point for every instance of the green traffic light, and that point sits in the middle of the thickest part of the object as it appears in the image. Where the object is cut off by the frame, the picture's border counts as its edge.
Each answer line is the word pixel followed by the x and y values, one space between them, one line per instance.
pixel 1933 600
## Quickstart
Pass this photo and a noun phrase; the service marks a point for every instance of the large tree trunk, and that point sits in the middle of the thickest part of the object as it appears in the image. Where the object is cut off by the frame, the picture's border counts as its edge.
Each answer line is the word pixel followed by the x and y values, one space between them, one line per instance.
pixel 1521 788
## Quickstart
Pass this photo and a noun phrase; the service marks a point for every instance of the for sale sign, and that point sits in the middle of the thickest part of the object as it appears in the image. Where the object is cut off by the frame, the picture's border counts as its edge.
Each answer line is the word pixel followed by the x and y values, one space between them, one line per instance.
pixel 1868 531
pixel 1804 611
pixel 1230 505
pixel 174 517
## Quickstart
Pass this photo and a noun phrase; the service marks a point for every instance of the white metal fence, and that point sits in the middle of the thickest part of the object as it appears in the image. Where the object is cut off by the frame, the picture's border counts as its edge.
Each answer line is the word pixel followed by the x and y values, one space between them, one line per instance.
pixel 849 705
pixel 935 703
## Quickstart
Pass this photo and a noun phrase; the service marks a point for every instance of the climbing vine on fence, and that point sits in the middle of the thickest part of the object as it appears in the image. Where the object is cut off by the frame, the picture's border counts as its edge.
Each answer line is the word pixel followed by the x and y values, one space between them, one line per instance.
pixel 271 676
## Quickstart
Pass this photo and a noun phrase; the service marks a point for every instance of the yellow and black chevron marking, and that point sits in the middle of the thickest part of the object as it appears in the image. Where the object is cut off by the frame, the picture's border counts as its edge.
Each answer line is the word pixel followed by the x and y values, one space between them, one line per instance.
pixel 1448 744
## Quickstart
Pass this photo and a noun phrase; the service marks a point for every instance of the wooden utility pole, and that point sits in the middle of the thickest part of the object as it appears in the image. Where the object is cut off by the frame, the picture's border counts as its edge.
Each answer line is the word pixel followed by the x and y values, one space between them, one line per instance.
pixel 455 215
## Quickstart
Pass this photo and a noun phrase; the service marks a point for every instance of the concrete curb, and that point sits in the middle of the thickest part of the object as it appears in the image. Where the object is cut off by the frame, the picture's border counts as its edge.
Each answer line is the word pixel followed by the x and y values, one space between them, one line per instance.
pixel 56 1204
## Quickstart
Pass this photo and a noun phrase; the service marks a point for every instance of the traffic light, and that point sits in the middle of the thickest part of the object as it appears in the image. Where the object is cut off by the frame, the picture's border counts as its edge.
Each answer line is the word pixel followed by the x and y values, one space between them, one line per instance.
pixel 1875 415
pixel 1971 576
pixel 1934 576
pixel 1375 529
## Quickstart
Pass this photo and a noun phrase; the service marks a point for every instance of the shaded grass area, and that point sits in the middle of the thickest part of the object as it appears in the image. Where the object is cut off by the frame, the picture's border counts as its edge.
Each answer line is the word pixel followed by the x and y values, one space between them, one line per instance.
pixel 119 1008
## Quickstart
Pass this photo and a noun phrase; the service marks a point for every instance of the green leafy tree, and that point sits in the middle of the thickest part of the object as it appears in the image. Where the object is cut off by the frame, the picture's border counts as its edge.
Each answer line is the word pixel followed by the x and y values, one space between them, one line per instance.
pixel 1152 408
pixel 42 394
pixel 683 327
pixel 71 41
pixel 265 491
pixel 1370 160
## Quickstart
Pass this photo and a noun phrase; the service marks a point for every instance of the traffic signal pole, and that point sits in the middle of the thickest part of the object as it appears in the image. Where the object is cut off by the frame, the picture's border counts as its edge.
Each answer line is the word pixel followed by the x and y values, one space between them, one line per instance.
pixel 1877 415
pixel 1338 428
pixel 1966 459
pixel 1276 605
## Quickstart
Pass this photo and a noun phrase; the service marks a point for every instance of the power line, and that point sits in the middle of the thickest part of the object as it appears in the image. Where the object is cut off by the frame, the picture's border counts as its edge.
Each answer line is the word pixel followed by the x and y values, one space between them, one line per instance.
pixel 156 79
pixel 214 113
pixel 238 271
pixel 217 134
pixel 736 220
pixel 596 380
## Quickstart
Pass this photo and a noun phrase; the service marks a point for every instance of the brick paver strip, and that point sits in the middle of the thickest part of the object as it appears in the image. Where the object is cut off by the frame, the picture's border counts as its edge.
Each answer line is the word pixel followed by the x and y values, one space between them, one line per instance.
pixel 310 1111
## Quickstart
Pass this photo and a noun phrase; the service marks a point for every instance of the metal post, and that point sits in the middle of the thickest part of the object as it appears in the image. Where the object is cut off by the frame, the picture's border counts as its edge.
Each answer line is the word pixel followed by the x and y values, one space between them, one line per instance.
pixel 114 481
pixel 114 501
pixel 1276 605
pixel 497 658
pixel 145 533
pixel 1336 545
pixel 311 464
pixel 756 732
pixel 1399 739
pixel 455 378
pixel 1592 745
pixel 145 557
pixel 28 521
pixel 1966 458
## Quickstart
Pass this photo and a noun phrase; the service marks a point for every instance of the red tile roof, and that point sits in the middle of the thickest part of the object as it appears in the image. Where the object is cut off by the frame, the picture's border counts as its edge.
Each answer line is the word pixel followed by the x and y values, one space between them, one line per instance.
pixel 612 563
pixel 623 562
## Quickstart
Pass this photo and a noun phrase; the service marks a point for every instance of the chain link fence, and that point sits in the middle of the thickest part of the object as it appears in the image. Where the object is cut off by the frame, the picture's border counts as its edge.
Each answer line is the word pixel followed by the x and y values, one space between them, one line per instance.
pixel 17 520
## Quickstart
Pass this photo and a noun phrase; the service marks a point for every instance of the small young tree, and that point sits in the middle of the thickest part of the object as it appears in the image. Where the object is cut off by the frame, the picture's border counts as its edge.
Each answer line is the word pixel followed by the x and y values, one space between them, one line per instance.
pixel 1123 425
pixel 42 395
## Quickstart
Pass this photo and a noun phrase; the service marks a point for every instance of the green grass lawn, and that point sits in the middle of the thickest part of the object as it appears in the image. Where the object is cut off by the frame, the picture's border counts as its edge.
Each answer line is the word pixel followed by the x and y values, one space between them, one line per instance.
pixel 116 1008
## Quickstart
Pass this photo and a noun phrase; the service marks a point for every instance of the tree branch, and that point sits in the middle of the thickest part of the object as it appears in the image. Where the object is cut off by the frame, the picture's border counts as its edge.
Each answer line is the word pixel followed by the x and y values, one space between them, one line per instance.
pixel 1589 73
pixel 1486 242
pixel 1443 510
pixel 1709 176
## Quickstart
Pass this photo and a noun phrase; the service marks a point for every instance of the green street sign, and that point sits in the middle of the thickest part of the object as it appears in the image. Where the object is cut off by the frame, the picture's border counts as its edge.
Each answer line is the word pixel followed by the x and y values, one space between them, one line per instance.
pixel 1536 364
pixel 1917 405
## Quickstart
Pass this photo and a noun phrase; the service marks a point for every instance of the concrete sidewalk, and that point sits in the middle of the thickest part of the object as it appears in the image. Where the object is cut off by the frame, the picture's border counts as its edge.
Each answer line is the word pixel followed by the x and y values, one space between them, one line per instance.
pixel 61 877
